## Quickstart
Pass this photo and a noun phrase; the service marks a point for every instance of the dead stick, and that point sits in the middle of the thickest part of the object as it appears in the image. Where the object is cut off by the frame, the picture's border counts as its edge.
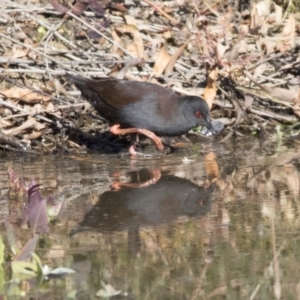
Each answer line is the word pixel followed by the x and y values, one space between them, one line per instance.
pixel 99 32
pixel 44 110
pixel 4 103
pixel 172 20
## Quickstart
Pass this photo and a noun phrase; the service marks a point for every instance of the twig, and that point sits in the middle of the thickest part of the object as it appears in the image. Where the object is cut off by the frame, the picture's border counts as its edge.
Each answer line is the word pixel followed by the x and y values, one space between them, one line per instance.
pixel 35 71
pixel 264 60
pixel 272 115
pixel 35 50
pixel 59 107
pixel 99 32
pixel 15 61
pixel 4 103
pixel 172 20
pixel 11 140
pixel 22 150
pixel 239 114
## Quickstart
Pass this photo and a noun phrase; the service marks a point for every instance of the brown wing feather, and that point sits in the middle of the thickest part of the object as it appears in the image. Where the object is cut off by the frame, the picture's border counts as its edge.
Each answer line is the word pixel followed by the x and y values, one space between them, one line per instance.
pixel 118 93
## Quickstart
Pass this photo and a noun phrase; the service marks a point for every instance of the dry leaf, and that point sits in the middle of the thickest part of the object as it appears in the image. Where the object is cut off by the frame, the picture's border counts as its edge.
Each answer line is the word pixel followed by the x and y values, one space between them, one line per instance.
pixel 24 94
pixel 296 109
pixel 161 62
pixel 243 47
pixel 50 107
pixel 118 41
pixel 39 126
pixel 96 7
pixel 211 88
pixel 59 7
pixel 248 101
pixel 132 49
pixel 268 44
pixel 278 13
pixel 288 34
pixel 263 8
pixel 35 109
pixel 130 20
pixel 243 29
pixel 260 70
pixel 33 135
pixel 291 95
pixel 19 52
pixel 119 6
pixel 174 58
pixel 254 22
pixel 220 51
pixel 289 28
pixel 211 165
pixel 5 123
pixel 17 130
pixel 137 38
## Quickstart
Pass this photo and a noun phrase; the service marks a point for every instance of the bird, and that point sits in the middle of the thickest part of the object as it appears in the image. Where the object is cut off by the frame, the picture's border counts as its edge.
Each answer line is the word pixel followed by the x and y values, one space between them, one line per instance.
pixel 143 108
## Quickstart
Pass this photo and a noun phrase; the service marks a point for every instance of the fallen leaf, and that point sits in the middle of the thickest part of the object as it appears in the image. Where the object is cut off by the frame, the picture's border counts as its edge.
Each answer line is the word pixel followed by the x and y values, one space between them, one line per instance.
pixel 33 135
pixel 243 29
pixel 220 51
pixel 96 7
pixel 118 6
pixel 161 62
pixel 211 88
pixel 278 13
pixel 60 8
pixel 174 58
pixel 268 44
pixel 289 95
pixel 260 70
pixel 137 38
pixel 17 130
pixel 263 8
pixel 5 123
pixel 118 41
pixel 130 20
pixel 248 101
pixel 19 52
pixel 288 33
pixel 24 94
pixel 296 109
pixel 211 165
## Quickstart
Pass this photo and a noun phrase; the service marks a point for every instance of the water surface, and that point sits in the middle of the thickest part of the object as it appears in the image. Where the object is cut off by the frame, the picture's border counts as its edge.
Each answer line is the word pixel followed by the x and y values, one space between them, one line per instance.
pixel 215 222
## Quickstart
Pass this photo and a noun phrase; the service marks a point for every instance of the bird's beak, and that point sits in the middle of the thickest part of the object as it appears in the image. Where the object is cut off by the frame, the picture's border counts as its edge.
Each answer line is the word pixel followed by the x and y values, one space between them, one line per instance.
pixel 207 123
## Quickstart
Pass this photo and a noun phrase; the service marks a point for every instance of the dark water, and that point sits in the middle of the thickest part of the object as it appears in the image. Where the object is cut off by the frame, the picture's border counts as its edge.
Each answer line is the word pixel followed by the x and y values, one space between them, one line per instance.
pixel 222 224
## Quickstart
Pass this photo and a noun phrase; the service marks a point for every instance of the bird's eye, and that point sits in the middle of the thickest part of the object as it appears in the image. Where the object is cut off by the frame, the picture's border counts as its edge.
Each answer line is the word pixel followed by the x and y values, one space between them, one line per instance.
pixel 198 114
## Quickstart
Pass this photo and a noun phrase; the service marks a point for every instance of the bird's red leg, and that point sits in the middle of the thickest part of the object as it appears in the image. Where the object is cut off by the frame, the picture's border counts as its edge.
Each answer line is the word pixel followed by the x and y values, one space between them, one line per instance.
pixel 132 147
pixel 155 176
pixel 115 129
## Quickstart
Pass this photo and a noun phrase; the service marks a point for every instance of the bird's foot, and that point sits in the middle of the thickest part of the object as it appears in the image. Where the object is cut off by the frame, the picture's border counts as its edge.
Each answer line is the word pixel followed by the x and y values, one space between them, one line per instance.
pixel 115 129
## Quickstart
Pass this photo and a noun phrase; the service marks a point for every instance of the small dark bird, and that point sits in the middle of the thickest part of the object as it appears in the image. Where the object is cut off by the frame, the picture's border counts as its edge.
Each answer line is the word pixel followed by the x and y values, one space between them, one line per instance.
pixel 143 108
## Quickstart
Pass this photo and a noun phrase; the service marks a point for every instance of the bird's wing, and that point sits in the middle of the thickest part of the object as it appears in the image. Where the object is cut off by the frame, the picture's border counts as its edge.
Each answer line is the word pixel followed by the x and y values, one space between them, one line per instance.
pixel 119 93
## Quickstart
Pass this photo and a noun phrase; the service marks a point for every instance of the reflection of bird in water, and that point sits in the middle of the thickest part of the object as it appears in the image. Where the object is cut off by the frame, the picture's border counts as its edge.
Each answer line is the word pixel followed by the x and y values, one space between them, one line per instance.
pixel 154 204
